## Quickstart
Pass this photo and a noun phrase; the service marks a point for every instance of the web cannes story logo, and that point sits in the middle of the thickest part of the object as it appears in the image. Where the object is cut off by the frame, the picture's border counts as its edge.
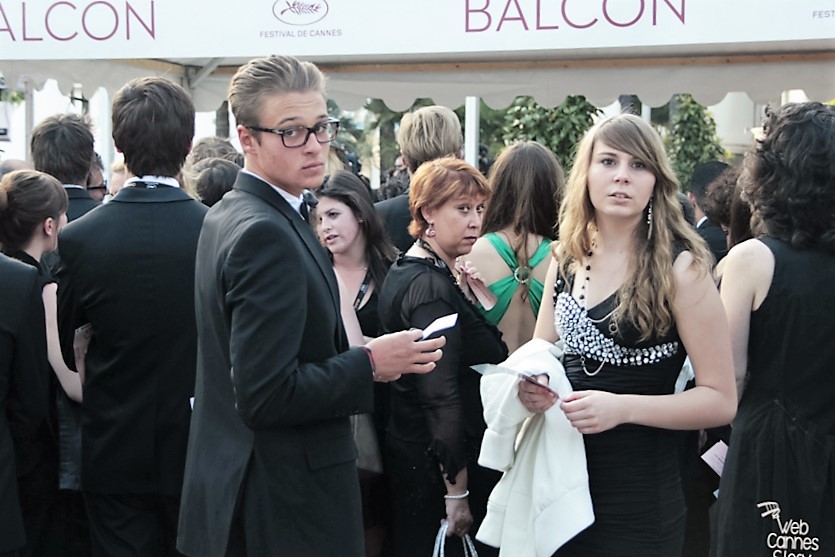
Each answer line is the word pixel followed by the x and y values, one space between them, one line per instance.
pixel 300 13
pixel 792 538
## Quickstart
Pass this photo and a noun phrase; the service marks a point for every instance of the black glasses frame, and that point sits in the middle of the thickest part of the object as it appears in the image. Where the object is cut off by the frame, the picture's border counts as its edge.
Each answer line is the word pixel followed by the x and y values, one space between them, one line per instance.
pixel 310 131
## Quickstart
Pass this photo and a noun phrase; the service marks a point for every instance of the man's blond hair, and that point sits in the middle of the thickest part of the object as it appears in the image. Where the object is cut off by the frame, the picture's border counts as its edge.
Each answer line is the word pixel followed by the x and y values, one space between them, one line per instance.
pixel 429 133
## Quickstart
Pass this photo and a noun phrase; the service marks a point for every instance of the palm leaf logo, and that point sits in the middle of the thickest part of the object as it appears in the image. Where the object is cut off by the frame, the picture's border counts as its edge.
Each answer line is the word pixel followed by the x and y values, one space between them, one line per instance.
pixel 300 8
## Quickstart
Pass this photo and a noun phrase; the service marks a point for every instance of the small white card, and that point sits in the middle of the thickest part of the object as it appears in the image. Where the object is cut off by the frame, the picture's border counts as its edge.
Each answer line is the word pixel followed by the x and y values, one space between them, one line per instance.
pixel 440 324
pixel 715 457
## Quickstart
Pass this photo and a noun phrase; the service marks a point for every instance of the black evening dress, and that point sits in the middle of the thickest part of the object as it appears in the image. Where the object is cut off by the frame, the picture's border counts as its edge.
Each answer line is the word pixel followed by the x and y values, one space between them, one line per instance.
pixel 369 320
pixel 436 420
pixel 777 492
pixel 376 499
pixel 37 457
pixel 633 469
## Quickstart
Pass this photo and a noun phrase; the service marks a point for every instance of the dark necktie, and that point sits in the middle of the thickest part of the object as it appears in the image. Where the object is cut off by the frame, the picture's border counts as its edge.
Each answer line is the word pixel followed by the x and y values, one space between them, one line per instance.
pixel 304 212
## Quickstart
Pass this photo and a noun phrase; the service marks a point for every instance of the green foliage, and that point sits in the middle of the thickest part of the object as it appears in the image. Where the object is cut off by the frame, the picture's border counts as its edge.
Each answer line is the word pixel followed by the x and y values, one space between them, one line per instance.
pixel 692 138
pixel 559 128
pixel 12 97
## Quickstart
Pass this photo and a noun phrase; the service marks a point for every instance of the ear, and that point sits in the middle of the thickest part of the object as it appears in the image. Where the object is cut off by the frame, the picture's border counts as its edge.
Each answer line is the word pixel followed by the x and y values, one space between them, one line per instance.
pixel 246 138
pixel 428 214
pixel 50 227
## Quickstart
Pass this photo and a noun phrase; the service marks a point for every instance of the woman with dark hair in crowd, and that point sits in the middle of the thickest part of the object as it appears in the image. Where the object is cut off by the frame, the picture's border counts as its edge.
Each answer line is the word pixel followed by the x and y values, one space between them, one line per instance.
pixel 725 206
pixel 720 192
pixel 519 225
pixel 633 296
pixel 436 426
pixel 210 179
pixel 777 490
pixel 354 236
pixel 33 209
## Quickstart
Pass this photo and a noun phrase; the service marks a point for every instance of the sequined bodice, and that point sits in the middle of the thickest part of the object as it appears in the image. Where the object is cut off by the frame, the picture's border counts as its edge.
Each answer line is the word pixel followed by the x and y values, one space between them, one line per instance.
pixel 584 335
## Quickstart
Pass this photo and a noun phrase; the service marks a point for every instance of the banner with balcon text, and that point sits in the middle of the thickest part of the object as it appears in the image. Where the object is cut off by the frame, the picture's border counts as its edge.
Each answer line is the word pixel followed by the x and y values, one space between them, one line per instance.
pixel 399 29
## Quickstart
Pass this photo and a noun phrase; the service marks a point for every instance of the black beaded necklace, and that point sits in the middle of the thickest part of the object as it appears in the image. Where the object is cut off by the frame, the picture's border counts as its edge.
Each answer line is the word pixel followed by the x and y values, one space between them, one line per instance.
pixel 439 263
pixel 584 303
pixel 424 245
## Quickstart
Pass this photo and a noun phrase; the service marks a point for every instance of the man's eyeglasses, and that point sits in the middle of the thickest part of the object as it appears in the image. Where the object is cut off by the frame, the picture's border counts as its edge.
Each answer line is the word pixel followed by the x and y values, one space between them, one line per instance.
pixel 324 132
pixel 102 186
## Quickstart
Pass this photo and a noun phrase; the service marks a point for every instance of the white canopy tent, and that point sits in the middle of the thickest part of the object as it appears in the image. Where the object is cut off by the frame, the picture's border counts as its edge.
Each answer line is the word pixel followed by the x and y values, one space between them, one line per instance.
pixel 446 50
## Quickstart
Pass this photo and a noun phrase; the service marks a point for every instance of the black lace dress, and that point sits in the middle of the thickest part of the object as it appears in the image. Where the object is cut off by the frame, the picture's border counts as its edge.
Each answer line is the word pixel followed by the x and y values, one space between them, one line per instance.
pixel 633 470
pixel 436 419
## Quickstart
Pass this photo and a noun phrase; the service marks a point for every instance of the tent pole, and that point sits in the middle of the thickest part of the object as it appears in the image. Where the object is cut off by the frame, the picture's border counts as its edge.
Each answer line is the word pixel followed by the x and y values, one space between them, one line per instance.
pixel 472 119
pixel 29 113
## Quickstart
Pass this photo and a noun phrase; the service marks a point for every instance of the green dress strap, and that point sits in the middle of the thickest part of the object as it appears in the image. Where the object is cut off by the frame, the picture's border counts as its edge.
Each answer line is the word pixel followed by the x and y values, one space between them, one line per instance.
pixel 506 287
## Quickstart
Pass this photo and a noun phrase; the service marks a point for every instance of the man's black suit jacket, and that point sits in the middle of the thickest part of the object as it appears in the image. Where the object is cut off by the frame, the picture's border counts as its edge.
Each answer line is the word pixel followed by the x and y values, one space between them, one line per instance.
pixel 396 216
pixel 80 203
pixel 127 268
pixel 24 376
pixel 715 238
pixel 276 383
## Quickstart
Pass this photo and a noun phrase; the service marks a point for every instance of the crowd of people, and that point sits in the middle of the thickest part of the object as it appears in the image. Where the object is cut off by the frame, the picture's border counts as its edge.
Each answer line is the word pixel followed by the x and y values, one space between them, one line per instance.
pixel 216 353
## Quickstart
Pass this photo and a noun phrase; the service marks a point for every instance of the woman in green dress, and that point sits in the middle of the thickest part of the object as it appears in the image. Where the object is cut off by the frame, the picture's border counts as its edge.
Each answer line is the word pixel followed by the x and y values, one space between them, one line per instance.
pixel 519 225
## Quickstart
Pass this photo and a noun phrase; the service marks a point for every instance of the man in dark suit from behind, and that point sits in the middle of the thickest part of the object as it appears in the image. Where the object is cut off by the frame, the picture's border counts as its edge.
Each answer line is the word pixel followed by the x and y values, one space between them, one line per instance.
pixel 703 175
pixel 428 133
pixel 24 374
pixel 271 466
pixel 62 146
pixel 135 287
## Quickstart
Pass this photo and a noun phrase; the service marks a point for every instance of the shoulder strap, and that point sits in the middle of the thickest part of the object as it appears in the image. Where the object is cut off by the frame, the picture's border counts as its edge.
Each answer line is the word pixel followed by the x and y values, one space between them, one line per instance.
pixel 541 253
pixel 504 251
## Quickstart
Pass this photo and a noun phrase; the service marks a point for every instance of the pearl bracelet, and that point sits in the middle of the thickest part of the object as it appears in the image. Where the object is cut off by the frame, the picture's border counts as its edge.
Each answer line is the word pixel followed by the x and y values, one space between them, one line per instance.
pixel 462 496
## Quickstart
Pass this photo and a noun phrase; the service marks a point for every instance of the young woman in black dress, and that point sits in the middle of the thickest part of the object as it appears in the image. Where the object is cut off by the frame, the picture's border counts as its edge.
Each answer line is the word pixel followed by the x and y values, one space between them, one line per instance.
pixel 633 296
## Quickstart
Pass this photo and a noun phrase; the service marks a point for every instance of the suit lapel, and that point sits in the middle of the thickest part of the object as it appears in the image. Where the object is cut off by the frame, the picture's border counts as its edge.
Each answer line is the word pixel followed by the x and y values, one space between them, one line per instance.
pixel 261 189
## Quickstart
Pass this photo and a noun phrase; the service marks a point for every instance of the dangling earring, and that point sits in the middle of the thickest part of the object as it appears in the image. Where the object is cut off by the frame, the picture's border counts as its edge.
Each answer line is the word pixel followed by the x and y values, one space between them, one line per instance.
pixel 430 232
pixel 649 219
